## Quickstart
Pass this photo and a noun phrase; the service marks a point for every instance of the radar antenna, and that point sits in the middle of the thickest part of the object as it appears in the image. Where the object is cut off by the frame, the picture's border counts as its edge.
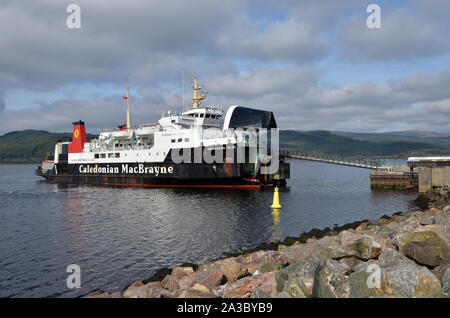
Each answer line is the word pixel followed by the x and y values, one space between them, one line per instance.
pixel 196 99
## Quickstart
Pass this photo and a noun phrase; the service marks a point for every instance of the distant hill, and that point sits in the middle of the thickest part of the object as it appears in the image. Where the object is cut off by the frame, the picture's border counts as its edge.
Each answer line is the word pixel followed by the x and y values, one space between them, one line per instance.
pixel 440 139
pixel 369 145
pixel 32 146
pixel 416 133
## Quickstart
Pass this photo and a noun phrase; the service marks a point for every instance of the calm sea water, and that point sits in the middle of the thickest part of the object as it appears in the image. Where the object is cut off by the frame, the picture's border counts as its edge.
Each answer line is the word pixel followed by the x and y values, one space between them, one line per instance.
pixel 120 235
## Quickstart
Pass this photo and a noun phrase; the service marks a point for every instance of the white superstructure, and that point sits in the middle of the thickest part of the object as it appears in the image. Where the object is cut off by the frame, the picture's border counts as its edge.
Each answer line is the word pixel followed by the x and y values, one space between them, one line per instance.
pixel 195 128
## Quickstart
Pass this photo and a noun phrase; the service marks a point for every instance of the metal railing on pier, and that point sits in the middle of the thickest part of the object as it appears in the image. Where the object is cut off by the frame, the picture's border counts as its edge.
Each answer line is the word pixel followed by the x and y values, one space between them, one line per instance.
pixel 359 163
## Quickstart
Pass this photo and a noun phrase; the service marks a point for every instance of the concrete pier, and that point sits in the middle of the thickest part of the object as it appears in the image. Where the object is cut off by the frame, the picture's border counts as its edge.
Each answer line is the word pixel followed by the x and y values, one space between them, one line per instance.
pixel 432 171
pixel 394 177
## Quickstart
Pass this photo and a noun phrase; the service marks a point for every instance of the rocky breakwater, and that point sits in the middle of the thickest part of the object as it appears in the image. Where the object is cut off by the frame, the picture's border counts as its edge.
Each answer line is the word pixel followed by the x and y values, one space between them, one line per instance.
pixel 406 255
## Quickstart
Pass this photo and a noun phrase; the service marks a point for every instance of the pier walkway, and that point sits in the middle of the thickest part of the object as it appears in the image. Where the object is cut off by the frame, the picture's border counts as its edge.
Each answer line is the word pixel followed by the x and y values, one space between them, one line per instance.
pixel 358 163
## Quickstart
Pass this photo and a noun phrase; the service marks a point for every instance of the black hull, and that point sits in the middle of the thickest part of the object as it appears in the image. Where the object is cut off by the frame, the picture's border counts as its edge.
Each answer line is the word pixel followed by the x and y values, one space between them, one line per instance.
pixel 162 175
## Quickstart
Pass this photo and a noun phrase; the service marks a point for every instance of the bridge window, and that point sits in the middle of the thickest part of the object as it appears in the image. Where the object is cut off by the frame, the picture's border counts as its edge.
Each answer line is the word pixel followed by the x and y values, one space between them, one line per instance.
pixel 117 155
pixel 103 155
pixel 207 115
pixel 111 155
pixel 180 139
pixel 201 115
pixel 186 139
pixel 96 156
pixel 172 141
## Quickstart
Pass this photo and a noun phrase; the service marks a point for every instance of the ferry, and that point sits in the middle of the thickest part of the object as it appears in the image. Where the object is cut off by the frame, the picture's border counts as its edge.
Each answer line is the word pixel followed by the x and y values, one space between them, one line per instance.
pixel 198 148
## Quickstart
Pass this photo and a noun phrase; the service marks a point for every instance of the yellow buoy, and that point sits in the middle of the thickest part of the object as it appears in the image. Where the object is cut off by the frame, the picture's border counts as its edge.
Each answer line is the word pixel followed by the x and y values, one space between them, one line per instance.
pixel 276 200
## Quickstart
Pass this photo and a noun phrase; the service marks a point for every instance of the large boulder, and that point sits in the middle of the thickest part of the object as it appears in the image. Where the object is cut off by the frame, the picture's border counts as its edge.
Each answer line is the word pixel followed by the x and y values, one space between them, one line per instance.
pixel 141 290
pixel 332 280
pixel 254 262
pixel 426 254
pixel 319 250
pixel 297 279
pixel 440 271
pixel 232 269
pixel 364 248
pixel 209 278
pixel 425 247
pixel 180 272
pixel 359 282
pixel 171 282
pixel 446 282
pixel 194 293
pixel 244 287
pixel 401 277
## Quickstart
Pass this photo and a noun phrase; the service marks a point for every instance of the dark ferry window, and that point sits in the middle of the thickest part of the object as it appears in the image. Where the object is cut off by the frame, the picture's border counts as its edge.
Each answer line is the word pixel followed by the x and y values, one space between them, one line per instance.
pixel 201 115
pixel 103 155
pixel 173 120
pixel 172 141
pixel 186 139
pixel 213 116
pixel 247 117
pixel 180 139
pixel 117 155
pixel 96 156
pixel 207 115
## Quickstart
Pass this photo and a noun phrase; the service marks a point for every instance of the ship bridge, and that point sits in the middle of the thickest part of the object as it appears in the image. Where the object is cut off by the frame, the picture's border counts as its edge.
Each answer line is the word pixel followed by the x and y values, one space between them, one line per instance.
pixel 244 117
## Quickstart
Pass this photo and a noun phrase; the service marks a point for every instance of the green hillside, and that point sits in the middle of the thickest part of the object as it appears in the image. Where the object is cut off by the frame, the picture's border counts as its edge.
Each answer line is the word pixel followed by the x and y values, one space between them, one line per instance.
pixel 357 146
pixel 442 139
pixel 30 146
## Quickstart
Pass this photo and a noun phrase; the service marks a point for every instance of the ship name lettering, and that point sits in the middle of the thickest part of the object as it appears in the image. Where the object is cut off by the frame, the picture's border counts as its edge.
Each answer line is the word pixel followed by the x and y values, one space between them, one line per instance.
pixel 140 168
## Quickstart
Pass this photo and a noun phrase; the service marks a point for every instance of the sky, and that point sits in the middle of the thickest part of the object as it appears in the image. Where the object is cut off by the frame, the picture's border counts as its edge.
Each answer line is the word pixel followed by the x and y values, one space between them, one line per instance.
pixel 315 64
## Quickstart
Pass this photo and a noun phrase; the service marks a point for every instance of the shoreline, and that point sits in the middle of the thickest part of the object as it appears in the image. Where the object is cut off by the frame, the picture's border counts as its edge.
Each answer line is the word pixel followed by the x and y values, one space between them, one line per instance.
pixel 417 242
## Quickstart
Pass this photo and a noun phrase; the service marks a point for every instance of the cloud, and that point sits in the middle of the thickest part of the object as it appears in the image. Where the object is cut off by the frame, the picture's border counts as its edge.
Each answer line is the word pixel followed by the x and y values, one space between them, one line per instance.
pixel 403 35
pixel 117 39
pixel 287 40
pixel 101 113
pixel 270 55
pixel 263 81
pixel 296 95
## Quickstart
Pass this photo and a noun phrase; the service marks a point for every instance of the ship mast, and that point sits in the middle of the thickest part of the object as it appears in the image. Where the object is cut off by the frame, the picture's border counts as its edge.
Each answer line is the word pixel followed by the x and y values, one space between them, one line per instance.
pixel 128 111
pixel 196 99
